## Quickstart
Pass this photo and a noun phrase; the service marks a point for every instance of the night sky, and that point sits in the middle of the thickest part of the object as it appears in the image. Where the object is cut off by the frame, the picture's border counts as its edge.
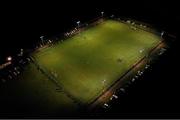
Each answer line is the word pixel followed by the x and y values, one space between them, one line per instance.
pixel 155 95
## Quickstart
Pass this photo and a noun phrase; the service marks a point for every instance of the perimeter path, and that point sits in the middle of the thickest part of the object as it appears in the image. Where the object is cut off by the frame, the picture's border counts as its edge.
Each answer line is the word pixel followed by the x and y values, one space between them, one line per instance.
pixel 104 97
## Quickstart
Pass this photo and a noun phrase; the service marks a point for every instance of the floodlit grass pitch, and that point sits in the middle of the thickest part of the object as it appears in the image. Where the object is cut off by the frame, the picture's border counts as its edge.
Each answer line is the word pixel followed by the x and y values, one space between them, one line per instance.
pixel 91 61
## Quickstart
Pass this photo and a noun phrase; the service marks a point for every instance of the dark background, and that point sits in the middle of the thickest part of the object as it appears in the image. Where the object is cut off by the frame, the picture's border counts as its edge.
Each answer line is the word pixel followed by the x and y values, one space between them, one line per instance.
pixel 156 95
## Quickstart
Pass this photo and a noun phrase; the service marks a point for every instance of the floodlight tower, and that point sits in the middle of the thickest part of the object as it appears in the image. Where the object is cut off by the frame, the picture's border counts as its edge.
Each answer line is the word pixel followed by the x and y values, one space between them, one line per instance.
pixel 112 16
pixel 78 23
pixel 102 14
pixel 162 33
pixel 42 39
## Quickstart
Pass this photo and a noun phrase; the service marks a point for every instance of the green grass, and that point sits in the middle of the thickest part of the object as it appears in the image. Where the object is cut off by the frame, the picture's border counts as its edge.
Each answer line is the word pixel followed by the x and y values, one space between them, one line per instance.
pixel 81 62
pixel 34 90
pixel 37 86
pixel 85 60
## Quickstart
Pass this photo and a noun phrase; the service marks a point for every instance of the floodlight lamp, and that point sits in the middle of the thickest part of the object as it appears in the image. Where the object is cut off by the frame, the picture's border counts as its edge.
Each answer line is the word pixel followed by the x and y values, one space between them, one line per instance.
pixel 9 58
pixel 78 22
pixel 41 37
